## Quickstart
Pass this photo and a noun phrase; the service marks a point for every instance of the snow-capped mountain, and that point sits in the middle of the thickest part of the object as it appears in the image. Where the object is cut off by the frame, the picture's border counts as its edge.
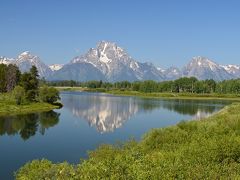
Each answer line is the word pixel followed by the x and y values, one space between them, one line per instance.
pixel 26 60
pixel 172 73
pixel 203 68
pixel 5 60
pixel 234 70
pixel 56 67
pixel 112 62
pixel 77 72
pixel 109 62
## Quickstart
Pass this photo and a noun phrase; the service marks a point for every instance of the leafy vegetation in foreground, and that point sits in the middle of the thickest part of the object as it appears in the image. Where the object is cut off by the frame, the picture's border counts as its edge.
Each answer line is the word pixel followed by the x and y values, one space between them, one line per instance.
pixel 206 149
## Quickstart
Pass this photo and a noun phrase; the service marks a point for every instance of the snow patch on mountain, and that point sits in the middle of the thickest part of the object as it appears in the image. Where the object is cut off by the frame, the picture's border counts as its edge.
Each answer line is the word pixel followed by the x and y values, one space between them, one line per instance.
pixel 56 67
pixel 232 69
pixel 5 60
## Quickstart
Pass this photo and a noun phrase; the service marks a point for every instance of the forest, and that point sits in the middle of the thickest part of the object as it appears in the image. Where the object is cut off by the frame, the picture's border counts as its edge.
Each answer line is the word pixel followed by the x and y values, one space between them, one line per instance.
pixel 24 87
pixel 182 85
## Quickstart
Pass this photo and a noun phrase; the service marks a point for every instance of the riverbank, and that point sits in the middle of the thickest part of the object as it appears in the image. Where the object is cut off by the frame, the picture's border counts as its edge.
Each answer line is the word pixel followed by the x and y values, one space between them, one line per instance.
pixel 205 149
pixel 232 97
pixel 8 106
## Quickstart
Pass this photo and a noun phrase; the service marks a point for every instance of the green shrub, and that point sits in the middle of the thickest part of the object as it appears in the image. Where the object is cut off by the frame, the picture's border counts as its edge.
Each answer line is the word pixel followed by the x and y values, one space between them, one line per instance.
pixel 19 94
pixel 49 94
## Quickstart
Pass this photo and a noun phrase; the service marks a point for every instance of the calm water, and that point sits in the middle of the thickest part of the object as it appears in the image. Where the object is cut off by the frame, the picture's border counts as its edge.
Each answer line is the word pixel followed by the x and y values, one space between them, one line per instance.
pixel 85 121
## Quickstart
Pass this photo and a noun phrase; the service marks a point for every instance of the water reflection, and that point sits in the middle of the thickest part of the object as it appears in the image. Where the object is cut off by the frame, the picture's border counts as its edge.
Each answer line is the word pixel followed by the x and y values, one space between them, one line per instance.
pixel 28 124
pixel 106 113
pixel 103 112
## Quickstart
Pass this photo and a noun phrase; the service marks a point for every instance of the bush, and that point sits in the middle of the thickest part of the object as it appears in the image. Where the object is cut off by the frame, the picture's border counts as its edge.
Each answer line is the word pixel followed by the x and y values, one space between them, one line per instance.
pixel 49 94
pixel 44 169
pixel 19 94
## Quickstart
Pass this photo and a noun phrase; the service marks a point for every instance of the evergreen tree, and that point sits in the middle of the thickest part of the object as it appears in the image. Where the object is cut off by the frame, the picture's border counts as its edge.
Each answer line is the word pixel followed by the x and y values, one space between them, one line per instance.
pixel 13 77
pixel 3 76
pixel 30 83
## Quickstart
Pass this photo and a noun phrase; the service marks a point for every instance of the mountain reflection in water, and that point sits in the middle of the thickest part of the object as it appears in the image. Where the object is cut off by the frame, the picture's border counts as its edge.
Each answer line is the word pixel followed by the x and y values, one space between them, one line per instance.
pixel 107 112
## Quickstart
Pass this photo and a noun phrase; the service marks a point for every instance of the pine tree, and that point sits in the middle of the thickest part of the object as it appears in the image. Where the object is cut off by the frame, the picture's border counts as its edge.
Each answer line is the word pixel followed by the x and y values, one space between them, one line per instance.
pixel 3 75
pixel 13 77
pixel 30 83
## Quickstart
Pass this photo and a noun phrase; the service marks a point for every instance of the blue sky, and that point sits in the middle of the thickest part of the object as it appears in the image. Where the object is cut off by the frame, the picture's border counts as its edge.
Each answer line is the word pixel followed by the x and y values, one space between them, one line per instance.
pixel 165 32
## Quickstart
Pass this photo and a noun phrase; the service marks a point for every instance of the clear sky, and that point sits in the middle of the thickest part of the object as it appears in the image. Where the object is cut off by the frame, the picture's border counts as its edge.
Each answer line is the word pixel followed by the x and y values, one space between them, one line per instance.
pixel 165 32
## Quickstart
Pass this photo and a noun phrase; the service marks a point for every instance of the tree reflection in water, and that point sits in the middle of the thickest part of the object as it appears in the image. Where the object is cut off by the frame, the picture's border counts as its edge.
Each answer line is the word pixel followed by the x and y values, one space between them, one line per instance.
pixel 28 124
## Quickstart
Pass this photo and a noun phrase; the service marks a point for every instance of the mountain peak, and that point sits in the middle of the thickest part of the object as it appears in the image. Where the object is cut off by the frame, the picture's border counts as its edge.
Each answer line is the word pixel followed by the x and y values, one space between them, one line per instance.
pixel 106 43
pixel 202 61
pixel 204 68
pixel 25 53
pixel 26 60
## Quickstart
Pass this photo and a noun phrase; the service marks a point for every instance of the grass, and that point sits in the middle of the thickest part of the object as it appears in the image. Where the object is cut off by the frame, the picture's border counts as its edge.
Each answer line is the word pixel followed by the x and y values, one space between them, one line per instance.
pixel 205 149
pixel 8 106
pixel 81 89
pixel 176 95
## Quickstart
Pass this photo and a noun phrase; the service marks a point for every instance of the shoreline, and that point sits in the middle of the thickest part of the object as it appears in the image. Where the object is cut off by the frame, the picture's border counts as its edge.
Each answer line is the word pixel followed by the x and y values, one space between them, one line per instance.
pixel 12 109
pixel 230 97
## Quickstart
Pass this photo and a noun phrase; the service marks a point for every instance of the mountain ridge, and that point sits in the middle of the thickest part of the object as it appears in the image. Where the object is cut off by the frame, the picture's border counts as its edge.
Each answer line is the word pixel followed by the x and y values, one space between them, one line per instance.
pixel 109 62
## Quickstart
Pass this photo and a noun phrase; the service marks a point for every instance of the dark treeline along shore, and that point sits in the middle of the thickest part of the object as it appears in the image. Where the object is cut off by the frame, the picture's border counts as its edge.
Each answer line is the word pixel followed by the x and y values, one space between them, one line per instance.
pixel 182 85
pixel 24 92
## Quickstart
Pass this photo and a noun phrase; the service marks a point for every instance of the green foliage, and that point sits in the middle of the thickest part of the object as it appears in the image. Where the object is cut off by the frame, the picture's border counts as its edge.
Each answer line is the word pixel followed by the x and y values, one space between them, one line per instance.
pixel 9 77
pixel 206 149
pixel 8 105
pixel 49 94
pixel 148 86
pixel 19 94
pixel 45 169
pixel 3 77
pixel 182 85
pixel 13 77
pixel 30 83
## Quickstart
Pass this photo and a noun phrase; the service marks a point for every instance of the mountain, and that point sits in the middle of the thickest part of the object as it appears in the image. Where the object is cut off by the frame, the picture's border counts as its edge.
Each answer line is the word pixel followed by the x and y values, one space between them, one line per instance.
pixel 203 68
pixel 26 60
pixel 77 72
pixel 5 60
pixel 234 70
pixel 172 73
pixel 108 62
pixel 56 67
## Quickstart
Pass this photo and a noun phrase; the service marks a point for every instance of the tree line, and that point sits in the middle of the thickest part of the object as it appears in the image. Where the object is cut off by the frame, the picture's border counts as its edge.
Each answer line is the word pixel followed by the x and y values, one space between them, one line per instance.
pixel 181 85
pixel 25 87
